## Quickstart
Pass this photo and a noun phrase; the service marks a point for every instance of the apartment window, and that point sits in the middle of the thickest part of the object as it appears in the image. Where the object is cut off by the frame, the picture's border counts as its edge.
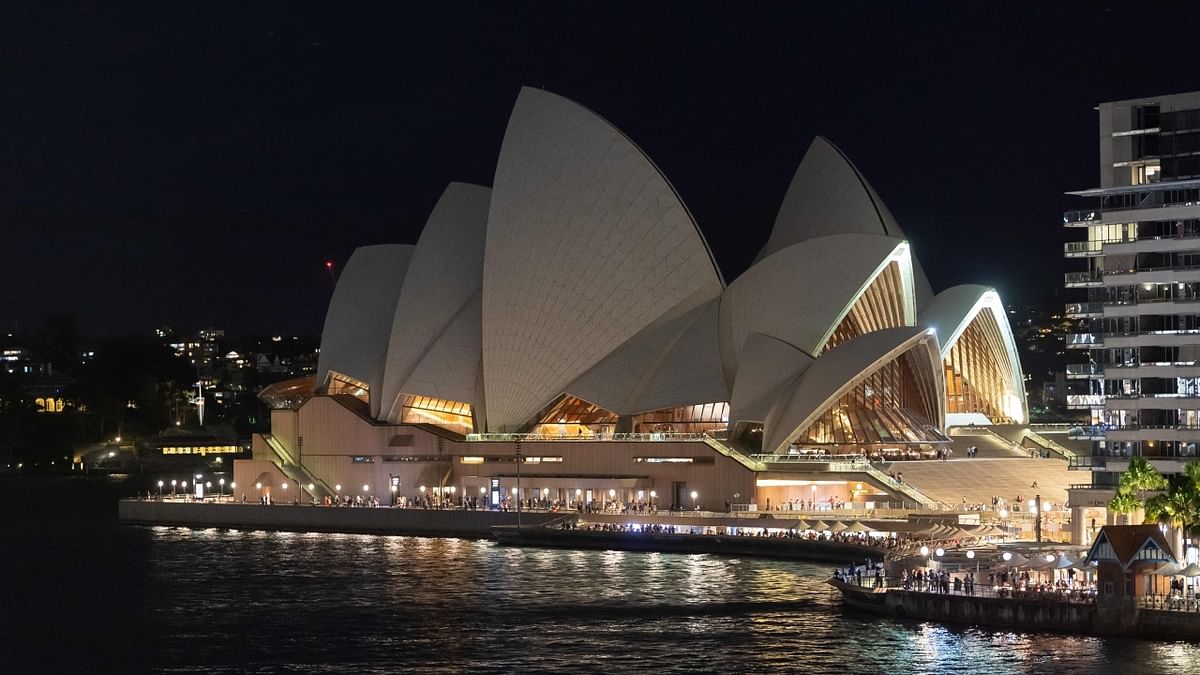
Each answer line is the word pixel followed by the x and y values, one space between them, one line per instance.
pixel 362 459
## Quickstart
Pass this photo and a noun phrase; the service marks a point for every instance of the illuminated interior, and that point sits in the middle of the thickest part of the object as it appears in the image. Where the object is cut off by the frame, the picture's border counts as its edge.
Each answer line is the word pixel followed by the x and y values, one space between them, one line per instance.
pixel 454 416
pixel 896 403
pixel 979 375
pixel 344 384
pixel 288 394
pixel 50 405
pixel 685 419
pixel 572 416
pixel 880 306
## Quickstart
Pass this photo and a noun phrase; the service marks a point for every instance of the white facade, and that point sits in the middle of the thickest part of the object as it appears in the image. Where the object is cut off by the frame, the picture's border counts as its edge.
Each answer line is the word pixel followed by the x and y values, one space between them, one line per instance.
pixel 581 280
pixel 1139 334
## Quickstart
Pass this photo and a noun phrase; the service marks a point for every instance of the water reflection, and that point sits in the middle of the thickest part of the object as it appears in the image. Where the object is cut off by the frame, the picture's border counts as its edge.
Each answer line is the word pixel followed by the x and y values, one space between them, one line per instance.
pixel 359 603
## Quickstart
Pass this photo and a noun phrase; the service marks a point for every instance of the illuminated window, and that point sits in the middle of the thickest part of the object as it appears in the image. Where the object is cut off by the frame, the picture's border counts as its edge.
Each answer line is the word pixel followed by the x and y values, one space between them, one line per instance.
pixel 685 419
pixel 344 384
pixel 453 416
pixel 573 417
pixel 362 459
pixel 674 460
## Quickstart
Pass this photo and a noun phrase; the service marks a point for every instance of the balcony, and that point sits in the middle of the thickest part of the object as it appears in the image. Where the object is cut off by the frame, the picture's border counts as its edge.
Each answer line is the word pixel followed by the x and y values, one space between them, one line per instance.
pixel 1083 310
pixel 1082 218
pixel 1087 464
pixel 1083 279
pixel 1085 400
pixel 1084 340
pixel 1083 249
pixel 1090 432
pixel 1083 371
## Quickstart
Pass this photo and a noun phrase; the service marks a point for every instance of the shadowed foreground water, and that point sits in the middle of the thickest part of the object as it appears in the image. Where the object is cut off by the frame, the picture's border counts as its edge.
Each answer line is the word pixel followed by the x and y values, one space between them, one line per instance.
pixel 100 596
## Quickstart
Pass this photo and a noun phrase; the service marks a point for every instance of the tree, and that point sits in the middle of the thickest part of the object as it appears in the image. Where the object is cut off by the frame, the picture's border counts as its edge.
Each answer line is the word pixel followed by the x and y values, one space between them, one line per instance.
pixel 1179 506
pixel 1141 477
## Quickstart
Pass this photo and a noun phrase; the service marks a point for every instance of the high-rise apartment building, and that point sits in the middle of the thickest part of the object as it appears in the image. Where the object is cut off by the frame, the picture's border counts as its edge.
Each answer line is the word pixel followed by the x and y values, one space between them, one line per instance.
pixel 1139 340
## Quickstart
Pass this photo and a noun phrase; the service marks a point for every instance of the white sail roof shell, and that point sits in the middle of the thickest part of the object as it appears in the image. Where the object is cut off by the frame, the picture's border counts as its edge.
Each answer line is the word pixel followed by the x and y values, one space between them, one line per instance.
pixel 358 323
pixel 828 195
pixel 838 371
pixel 445 275
pixel 587 245
pixel 952 310
pixel 800 294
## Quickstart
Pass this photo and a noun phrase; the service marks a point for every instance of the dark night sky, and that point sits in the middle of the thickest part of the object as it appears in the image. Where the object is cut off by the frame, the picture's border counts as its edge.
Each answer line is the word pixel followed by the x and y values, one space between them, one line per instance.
pixel 194 164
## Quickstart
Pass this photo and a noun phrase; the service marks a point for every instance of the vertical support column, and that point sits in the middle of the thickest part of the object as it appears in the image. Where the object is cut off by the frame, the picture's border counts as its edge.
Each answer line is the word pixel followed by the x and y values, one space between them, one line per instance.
pixel 1079 535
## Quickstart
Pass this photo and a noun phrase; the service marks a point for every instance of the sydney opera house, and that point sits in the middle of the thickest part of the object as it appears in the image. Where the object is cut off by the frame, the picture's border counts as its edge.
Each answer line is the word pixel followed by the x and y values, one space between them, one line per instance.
pixel 569 324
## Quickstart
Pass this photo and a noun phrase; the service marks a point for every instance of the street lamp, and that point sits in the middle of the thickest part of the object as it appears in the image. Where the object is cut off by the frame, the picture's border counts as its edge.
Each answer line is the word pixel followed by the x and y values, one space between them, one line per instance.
pixel 925 551
pixel 260 494
pixel 160 488
pixel 694 496
pixel 940 552
pixel 173 487
pixel 221 482
pixel 366 488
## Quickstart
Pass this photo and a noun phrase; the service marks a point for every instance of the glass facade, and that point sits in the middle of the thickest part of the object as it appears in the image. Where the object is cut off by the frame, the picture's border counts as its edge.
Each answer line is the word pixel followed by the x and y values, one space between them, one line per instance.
pixel 880 306
pixel 454 416
pixel 891 405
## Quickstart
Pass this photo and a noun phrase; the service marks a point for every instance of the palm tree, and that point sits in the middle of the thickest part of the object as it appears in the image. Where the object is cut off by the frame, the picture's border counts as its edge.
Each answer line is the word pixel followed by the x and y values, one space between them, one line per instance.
pixel 1179 506
pixel 1125 503
pixel 1139 478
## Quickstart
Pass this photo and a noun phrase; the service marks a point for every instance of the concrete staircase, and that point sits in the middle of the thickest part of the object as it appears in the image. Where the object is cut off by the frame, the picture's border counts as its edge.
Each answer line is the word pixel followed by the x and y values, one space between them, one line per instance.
pixel 980 479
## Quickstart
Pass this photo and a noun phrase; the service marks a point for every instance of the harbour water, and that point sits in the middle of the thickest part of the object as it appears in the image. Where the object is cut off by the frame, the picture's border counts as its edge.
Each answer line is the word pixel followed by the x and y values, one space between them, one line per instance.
pixel 81 592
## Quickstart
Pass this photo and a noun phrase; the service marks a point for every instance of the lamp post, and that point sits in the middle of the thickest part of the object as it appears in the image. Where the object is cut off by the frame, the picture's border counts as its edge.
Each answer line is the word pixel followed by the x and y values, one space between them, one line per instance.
pixel 338 489
pixel 517 453
pixel 160 489
pixel 232 487
pixel 695 494
pixel 260 492
pixel 1037 517
pixel 173 481
pixel 653 495
pixel 221 482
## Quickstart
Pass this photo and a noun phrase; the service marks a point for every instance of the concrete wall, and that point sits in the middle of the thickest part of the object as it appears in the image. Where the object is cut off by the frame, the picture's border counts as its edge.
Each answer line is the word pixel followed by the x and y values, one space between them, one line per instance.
pixel 334 435
pixel 994 612
pixel 324 519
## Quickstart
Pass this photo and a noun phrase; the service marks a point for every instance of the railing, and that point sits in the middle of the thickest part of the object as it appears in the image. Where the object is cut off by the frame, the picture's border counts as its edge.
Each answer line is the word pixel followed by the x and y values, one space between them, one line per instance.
pixel 1050 445
pixel 640 437
pixel 1089 277
pixel 815 458
pixel 1157 268
pixel 1084 369
pixel 1086 432
pixel 733 454
pixel 1084 339
pixel 1084 216
pixel 1077 247
pixel 1083 400
pixel 1084 308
